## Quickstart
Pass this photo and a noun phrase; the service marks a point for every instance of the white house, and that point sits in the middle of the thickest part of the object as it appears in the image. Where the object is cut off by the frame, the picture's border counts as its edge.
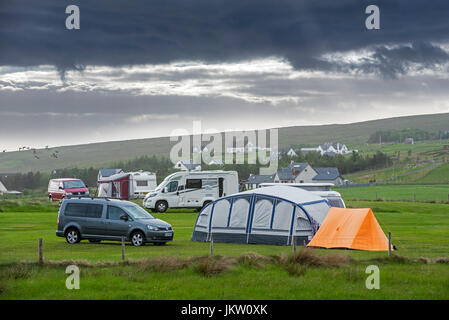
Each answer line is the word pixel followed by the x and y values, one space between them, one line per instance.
pixel 187 165
pixel 329 148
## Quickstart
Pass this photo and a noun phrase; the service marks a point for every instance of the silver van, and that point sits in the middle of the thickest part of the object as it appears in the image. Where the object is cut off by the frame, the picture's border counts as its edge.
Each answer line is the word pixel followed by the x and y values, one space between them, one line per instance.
pixel 97 219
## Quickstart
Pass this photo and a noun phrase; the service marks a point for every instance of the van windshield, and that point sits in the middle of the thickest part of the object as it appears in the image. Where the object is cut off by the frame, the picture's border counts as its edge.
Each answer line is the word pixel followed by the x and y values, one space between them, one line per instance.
pixel 137 212
pixel 163 183
pixel 73 184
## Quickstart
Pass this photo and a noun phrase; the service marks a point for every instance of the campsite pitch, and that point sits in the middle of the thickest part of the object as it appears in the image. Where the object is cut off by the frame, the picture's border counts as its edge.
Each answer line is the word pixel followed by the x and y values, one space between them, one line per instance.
pixel 183 270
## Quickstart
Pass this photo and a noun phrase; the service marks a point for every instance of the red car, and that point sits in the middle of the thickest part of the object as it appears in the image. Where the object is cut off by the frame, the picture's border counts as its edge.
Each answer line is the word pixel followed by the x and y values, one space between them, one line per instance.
pixel 60 188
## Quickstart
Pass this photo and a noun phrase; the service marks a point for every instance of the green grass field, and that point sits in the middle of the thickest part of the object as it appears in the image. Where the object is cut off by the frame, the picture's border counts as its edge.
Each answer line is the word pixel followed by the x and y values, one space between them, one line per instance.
pixel 420 193
pixel 173 272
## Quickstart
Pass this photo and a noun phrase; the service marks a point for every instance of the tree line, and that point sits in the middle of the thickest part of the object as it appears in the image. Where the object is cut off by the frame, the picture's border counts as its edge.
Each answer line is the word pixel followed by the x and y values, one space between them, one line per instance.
pixel 399 135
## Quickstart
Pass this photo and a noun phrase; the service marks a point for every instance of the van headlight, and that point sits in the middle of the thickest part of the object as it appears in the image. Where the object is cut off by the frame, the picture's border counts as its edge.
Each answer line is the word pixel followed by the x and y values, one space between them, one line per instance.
pixel 152 228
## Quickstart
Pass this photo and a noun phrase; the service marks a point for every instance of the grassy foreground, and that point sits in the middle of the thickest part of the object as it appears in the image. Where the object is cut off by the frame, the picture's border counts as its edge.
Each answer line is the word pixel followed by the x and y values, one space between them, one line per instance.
pixel 182 270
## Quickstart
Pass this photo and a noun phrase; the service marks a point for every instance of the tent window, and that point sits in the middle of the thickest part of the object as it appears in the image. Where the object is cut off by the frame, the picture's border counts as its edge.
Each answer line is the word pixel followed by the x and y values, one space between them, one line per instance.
pixel 262 213
pixel 302 222
pixel 282 215
pixel 221 213
pixel 239 215
pixel 318 211
pixel 203 219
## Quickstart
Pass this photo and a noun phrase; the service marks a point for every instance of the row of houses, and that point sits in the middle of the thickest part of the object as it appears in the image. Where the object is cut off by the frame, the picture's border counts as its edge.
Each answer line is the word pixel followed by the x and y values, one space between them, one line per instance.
pixel 328 148
pixel 297 172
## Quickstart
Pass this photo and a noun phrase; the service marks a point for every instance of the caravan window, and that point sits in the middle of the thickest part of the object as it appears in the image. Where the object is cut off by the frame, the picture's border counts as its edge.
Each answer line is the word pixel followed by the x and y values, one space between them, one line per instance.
pixel 142 183
pixel 262 213
pixel 194 184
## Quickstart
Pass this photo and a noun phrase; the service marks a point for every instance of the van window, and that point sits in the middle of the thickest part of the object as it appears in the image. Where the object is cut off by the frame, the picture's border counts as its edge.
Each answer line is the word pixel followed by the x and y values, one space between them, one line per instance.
pixel 172 186
pixel 75 210
pixel 72 184
pixel 194 184
pixel 94 210
pixel 83 210
pixel 114 213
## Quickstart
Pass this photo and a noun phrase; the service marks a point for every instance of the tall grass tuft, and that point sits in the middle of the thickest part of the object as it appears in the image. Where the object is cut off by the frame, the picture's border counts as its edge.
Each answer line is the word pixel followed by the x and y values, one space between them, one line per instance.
pixel 212 265
pixel 254 259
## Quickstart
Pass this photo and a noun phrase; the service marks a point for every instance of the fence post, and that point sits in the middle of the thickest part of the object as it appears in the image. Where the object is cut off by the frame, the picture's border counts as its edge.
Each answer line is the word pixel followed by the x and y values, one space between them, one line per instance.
pixel 123 248
pixel 389 243
pixel 294 244
pixel 211 245
pixel 40 250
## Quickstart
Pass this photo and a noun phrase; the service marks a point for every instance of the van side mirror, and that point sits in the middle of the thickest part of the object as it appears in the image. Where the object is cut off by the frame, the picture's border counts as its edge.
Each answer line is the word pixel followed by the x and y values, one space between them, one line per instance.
pixel 61 188
pixel 165 189
pixel 124 217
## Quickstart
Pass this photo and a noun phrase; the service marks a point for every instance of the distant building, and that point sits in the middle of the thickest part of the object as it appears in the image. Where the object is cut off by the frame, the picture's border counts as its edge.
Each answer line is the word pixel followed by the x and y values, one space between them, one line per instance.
pixel 3 190
pixel 329 148
pixel 187 165
pixel 328 175
pixel 299 172
pixel 409 141
pixel 254 180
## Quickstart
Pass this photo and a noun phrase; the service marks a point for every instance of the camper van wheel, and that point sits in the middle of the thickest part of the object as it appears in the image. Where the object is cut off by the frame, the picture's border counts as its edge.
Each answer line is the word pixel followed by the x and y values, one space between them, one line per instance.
pixel 161 206
pixel 50 198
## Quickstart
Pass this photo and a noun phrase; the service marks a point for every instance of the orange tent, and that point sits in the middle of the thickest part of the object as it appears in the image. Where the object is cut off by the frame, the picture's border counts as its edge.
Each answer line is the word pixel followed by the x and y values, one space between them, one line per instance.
pixel 352 229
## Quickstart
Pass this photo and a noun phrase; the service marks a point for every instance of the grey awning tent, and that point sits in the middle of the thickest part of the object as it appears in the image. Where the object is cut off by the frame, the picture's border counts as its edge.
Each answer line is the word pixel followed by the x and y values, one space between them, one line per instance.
pixel 270 215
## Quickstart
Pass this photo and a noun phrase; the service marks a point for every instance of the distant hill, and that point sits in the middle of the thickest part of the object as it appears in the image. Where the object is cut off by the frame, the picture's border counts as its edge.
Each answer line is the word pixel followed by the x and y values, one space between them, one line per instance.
pixel 102 154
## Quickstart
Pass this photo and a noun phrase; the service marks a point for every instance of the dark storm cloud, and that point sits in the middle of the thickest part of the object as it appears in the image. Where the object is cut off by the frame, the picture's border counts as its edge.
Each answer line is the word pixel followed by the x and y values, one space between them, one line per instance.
pixel 118 32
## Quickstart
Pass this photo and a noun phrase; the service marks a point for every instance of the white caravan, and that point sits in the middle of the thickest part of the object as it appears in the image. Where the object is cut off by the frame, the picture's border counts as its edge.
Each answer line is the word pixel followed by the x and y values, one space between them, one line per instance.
pixel 321 189
pixel 142 183
pixel 192 189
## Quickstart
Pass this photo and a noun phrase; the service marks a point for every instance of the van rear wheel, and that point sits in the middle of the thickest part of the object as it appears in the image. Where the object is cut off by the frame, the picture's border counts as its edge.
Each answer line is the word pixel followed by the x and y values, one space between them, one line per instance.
pixel 72 236
pixel 161 206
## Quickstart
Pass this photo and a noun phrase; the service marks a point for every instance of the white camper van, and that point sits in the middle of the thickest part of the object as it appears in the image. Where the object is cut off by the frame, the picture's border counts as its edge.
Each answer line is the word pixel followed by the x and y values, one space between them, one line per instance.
pixel 321 189
pixel 192 189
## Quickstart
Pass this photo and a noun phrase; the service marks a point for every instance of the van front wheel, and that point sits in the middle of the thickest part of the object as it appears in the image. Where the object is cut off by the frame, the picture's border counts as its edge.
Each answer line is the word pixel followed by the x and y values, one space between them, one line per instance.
pixel 137 239
pixel 161 206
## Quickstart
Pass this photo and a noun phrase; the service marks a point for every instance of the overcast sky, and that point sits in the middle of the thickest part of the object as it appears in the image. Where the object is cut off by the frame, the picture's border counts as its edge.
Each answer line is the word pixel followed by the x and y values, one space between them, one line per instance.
pixel 139 69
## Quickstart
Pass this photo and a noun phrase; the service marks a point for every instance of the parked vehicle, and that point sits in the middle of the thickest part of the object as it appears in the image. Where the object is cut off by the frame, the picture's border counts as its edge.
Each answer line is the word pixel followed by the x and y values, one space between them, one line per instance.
pixel 97 219
pixel 59 189
pixel 321 189
pixel 192 189
pixel 127 185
